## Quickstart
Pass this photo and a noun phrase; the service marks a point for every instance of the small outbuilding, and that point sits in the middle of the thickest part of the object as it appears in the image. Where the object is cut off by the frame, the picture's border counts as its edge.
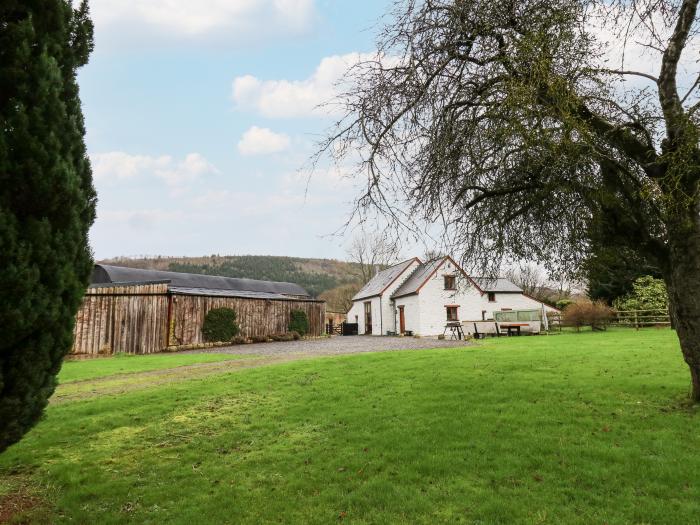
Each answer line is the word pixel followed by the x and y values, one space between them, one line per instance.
pixel 139 311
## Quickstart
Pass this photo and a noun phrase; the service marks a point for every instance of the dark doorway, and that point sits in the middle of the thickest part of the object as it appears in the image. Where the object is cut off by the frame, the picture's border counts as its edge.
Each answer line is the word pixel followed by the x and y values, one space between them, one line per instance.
pixel 368 318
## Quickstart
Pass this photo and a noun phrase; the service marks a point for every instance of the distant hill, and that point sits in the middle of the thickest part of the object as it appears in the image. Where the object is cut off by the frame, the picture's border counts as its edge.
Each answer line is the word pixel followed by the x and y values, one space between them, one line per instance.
pixel 315 275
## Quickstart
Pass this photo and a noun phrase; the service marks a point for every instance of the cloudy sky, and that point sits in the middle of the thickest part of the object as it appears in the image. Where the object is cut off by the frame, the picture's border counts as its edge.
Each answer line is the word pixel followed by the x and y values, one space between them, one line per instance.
pixel 200 116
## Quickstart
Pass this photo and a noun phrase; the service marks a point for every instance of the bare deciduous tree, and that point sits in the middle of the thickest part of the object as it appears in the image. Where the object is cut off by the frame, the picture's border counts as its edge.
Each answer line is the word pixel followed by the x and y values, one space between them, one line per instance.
pixel 339 299
pixel 501 123
pixel 371 251
pixel 529 277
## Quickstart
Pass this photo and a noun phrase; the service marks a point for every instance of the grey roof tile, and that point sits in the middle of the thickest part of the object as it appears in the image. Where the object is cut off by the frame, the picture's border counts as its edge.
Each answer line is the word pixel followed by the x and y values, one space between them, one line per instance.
pixel 379 282
pixel 209 292
pixel 417 278
pixel 496 285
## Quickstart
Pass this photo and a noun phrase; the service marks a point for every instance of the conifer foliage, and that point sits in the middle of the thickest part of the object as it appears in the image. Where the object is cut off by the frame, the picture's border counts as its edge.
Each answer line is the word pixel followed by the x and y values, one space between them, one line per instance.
pixel 47 201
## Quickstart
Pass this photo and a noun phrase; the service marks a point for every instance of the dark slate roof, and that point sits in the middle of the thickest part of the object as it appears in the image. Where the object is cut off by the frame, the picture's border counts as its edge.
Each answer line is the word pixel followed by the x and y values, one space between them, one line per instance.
pixel 104 273
pixel 496 285
pixel 209 292
pixel 379 282
pixel 417 278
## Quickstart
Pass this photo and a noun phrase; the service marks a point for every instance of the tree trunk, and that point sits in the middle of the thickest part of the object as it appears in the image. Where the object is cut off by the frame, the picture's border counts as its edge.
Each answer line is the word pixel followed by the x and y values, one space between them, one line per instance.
pixel 683 282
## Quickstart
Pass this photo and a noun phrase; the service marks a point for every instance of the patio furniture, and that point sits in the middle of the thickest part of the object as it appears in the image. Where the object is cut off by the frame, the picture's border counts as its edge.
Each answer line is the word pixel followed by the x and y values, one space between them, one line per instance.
pixel 513 328
pixel 484 328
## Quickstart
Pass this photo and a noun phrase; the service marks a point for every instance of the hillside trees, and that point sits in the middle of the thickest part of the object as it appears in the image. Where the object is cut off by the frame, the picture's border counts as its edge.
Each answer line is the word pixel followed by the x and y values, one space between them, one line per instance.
pixel 502 124
pixel 47 202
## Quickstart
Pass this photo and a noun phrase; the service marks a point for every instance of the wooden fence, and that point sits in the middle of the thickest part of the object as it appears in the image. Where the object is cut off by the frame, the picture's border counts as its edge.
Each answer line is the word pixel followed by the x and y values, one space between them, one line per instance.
pixel 144 319
pixel 630 319
pixel 641 318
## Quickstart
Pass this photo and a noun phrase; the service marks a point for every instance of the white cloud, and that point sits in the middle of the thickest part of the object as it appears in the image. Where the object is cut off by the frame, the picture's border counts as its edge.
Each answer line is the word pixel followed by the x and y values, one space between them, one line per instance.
pixel 138 220
pixel 249 204
pixel 117 165
pixel 190 169
pixel 120 165
pixel 262 141
pixel 295 98
pixel 203 18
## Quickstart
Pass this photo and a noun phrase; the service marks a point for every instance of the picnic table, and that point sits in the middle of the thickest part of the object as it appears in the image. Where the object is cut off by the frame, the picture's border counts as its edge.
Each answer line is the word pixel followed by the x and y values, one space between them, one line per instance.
pixel 513 327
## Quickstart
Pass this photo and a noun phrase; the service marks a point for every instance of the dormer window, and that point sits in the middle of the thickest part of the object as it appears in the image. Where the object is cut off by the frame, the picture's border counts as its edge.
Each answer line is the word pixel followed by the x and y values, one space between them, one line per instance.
pixel 450 282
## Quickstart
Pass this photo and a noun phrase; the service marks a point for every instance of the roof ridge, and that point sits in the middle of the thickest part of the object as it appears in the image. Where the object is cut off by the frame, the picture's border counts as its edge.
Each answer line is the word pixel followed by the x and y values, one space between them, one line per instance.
pixel 202 274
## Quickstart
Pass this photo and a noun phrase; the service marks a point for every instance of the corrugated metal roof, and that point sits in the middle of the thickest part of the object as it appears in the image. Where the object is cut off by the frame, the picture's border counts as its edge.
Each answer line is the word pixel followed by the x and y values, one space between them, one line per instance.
pixel 417 278
pixel 379 282
pixel 209 292
pixel 496 285
pixel 105 273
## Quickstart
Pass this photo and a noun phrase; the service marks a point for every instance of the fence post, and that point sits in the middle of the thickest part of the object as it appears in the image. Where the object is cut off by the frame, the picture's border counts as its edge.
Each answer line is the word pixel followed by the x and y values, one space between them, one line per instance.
pixel 636 324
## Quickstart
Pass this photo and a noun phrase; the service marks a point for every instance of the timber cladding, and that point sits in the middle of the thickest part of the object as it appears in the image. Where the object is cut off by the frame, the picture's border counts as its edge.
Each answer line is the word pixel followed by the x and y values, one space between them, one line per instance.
pixel 135 319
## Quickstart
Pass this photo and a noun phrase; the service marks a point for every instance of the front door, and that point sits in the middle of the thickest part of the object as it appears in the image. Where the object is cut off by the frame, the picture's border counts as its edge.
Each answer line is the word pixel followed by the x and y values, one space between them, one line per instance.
pixel 402 320
pixel 368 318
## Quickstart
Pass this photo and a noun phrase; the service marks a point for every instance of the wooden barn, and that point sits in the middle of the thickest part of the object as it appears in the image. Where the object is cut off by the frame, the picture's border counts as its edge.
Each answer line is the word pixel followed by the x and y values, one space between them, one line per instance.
pixel 139 311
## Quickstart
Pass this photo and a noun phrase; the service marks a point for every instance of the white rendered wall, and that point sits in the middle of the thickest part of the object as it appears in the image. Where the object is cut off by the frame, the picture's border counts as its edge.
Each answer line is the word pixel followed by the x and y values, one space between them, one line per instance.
pixel 411 313
pixel 433 297
pixel 383 319
pixel 513 301
pixel 358 309
pixel 390 315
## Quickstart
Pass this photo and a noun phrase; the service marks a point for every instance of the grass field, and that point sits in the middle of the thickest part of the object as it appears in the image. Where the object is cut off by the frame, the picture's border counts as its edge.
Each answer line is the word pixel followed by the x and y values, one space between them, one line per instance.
pixel 574 428
pixel 81 370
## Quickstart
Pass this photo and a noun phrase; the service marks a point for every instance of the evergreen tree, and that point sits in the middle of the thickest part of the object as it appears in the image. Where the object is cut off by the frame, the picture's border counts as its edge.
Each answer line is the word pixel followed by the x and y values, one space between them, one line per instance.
pixel 47 201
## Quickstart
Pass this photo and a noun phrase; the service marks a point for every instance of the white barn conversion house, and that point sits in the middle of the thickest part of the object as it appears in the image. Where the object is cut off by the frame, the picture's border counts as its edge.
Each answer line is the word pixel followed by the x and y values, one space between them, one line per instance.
pixel 423 297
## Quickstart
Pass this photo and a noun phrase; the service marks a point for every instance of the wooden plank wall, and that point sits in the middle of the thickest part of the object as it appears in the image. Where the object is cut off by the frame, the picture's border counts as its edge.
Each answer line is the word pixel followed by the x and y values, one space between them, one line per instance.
pixel 134 319
pixel 255 316
pixel 129 319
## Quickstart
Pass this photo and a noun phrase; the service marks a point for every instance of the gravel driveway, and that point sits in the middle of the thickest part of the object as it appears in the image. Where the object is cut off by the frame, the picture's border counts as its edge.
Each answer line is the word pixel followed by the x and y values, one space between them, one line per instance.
pixel 336 345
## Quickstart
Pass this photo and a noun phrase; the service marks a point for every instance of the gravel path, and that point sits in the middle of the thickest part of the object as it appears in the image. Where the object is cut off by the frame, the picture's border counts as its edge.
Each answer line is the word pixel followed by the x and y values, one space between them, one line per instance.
pixel 336 345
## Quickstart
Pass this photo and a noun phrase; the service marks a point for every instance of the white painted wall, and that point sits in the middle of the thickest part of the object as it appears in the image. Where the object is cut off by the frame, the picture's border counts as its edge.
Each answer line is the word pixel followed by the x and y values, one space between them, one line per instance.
pixel 358 309
pixel 389 312
pixel 433 297
pixel 513 301
pixel 411 312
pixel 383 319
pixel 356 315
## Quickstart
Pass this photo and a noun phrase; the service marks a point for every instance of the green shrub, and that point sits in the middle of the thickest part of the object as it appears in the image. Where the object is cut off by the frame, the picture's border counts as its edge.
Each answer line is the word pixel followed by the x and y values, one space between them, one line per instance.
pixel 259 339
pixel 648 293
pixel 220 325
pixel 298 322
pixel 295 335
pixel 563 303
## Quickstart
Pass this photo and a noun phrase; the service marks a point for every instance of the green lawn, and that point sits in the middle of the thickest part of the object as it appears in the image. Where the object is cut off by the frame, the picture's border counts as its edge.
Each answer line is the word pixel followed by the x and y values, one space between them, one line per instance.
pixel 575 428
pixel 80 370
